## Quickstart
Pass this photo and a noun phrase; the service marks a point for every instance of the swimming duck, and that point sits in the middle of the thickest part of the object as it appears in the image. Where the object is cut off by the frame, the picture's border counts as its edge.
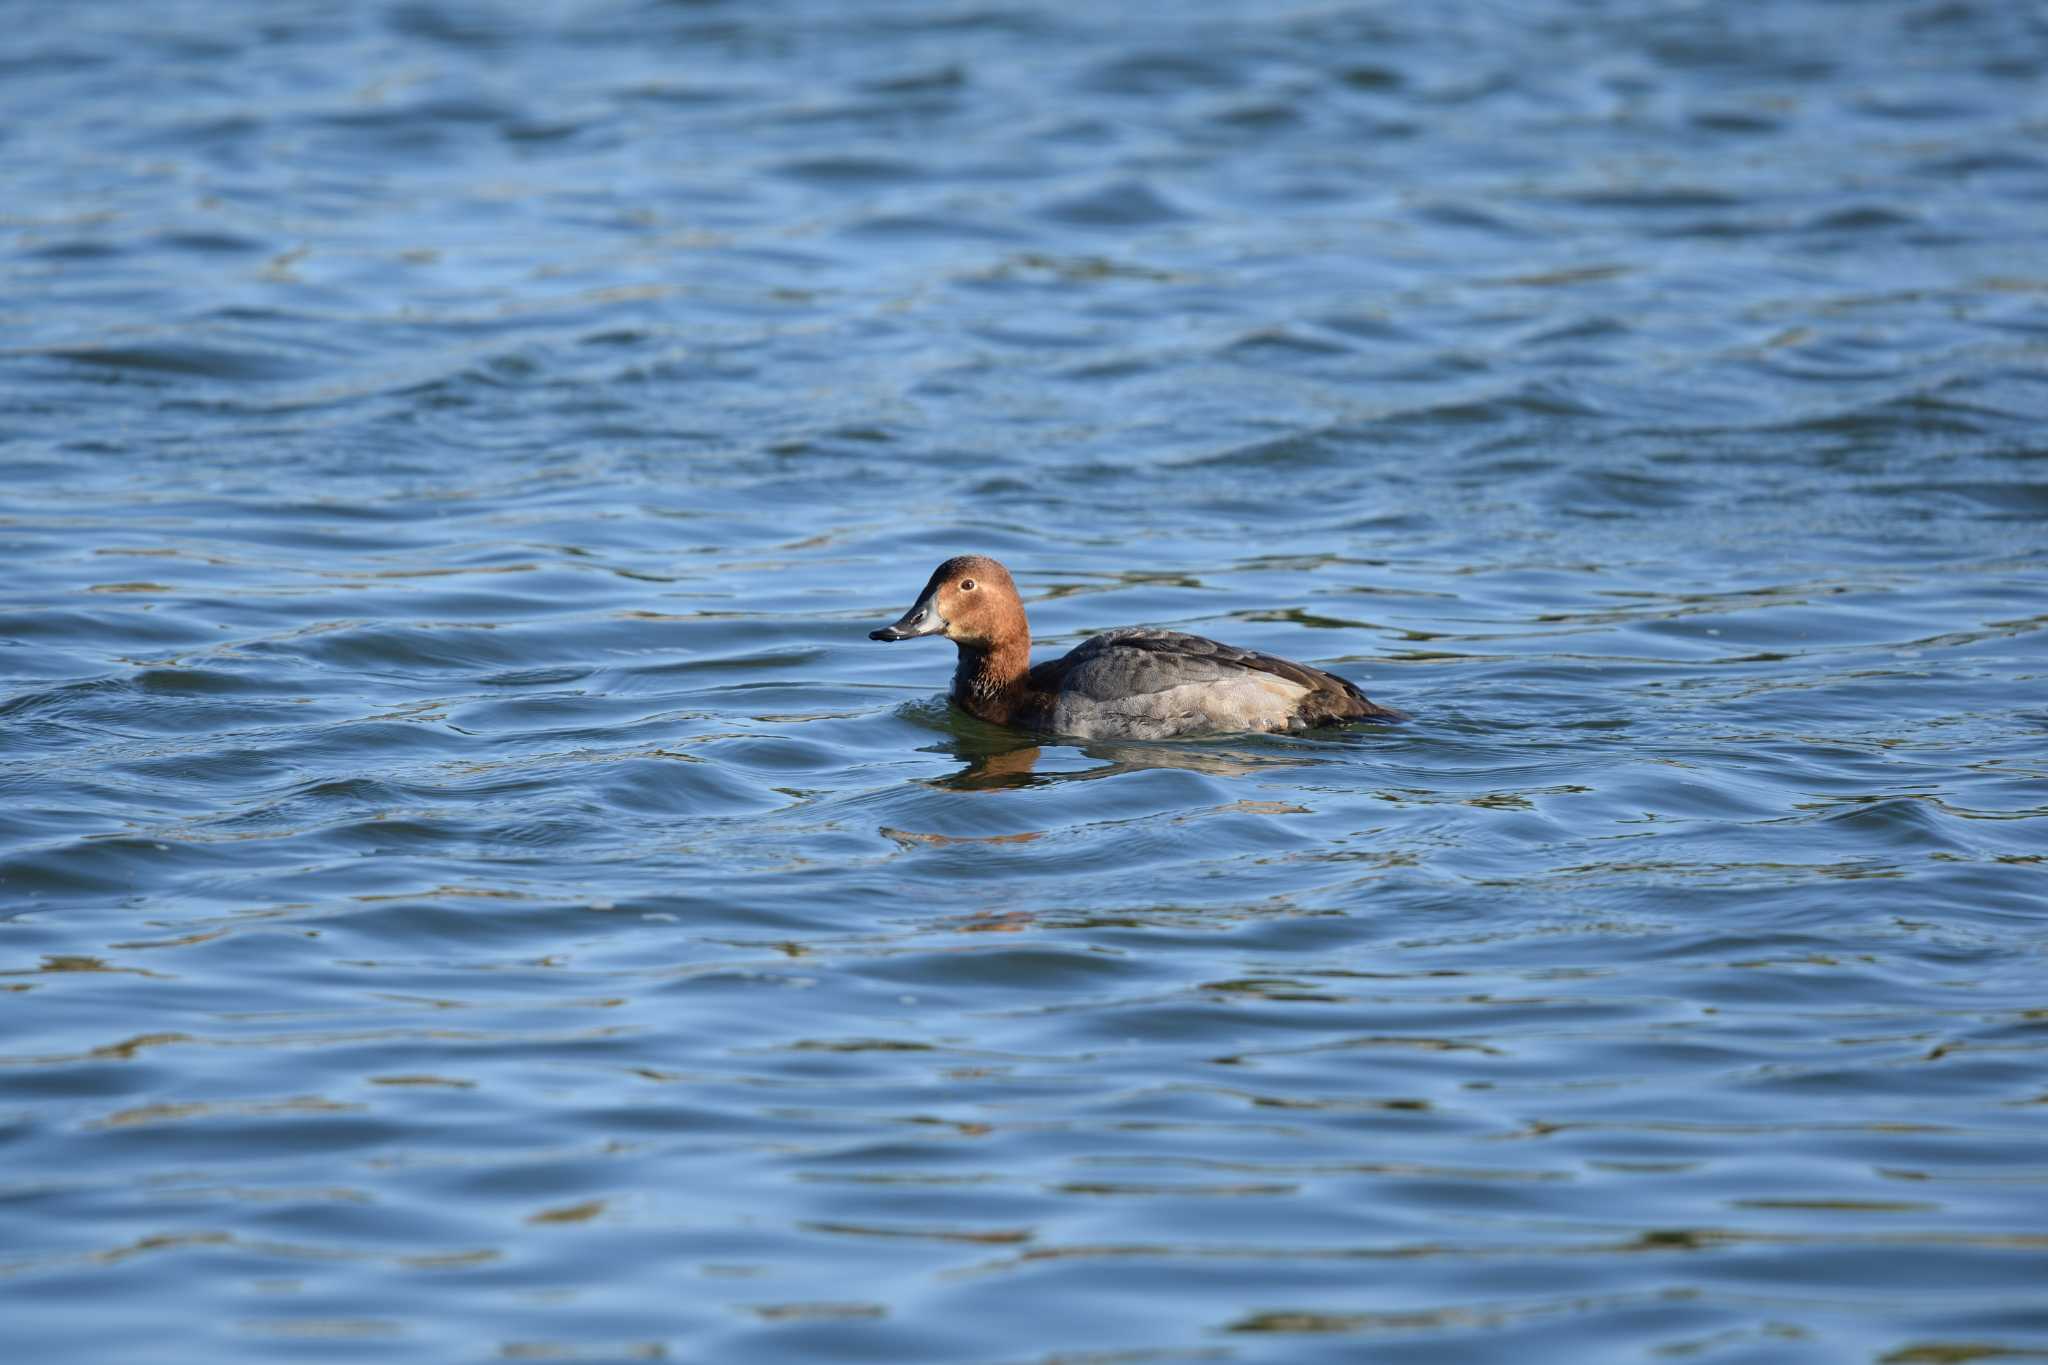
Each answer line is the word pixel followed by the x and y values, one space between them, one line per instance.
pixel 1132 683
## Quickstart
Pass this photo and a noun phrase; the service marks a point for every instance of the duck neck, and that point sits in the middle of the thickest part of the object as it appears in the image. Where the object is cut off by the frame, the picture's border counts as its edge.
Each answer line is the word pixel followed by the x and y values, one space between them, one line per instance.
pixel 991 678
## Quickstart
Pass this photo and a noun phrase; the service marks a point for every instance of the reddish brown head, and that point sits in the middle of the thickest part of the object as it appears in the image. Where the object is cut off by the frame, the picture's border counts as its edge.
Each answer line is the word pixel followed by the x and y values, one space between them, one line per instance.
pixel 971 601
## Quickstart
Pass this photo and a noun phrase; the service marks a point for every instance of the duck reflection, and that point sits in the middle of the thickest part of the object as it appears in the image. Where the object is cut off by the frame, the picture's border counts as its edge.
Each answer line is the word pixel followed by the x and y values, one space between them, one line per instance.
pixel 996 759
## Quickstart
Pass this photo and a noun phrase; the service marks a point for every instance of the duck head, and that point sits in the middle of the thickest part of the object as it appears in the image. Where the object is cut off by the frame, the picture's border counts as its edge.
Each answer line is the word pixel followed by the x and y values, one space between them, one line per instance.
pixel 970 600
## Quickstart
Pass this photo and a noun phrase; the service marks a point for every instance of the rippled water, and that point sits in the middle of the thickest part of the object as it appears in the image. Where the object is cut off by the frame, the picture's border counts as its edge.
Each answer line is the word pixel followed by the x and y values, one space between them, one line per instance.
pixel 469 889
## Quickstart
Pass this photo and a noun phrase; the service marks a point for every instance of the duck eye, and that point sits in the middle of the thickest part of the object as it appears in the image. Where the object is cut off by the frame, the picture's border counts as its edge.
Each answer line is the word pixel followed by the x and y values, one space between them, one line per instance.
pixel 967 585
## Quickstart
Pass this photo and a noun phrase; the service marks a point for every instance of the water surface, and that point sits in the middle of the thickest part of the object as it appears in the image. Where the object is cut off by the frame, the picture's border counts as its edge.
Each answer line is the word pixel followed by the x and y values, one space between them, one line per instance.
pixel 469 890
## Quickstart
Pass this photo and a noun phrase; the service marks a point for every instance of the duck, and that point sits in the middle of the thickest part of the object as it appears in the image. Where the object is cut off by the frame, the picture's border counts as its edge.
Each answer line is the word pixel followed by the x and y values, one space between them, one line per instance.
pixel 1135 682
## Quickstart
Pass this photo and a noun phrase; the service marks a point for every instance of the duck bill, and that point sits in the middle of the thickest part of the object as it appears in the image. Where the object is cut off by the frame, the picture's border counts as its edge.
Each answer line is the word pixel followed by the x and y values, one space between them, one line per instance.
pixel 922 619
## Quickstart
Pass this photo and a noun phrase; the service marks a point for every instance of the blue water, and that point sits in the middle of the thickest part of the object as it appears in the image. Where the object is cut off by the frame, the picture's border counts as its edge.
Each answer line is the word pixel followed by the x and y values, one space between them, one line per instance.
pixel 469 889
